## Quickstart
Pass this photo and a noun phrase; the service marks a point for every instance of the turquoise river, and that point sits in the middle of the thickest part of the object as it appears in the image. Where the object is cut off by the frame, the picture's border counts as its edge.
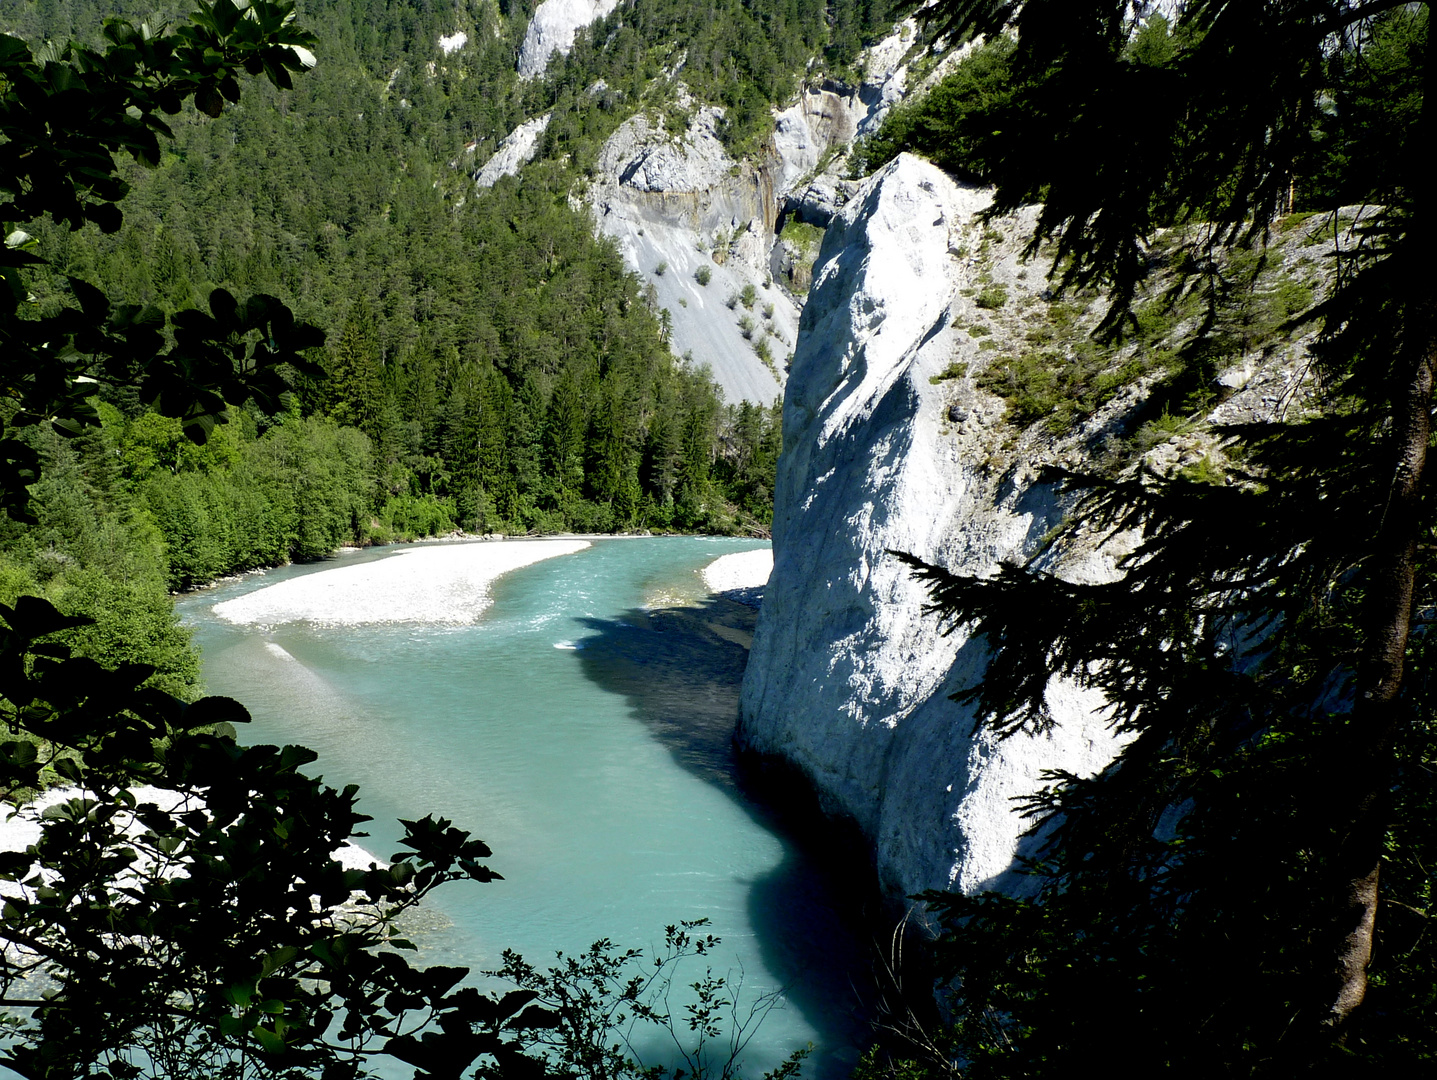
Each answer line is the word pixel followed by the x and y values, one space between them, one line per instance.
pixel 581 728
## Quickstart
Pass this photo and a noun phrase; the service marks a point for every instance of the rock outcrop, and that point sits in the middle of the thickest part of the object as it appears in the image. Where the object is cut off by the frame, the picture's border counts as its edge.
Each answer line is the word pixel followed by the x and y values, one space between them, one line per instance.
pixel 698 226
pixel 643 156
pixel 516 150
pixel 895 439
pixel 848 680
pixel 552 30
pixel 823 118
pixel 816 202
pixel 819 128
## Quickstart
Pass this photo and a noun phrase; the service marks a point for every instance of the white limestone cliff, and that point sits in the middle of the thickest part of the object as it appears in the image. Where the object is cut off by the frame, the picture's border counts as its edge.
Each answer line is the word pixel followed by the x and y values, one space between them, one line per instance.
pixel 848 680
pixel 892 443
pixel 516 150
pixel 830 115
pixel 552 30
pixel 676 202
pixel 698 226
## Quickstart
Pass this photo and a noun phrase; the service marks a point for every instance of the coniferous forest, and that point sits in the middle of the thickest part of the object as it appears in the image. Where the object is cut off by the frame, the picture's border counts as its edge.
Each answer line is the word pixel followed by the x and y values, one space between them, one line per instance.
pixel 488 365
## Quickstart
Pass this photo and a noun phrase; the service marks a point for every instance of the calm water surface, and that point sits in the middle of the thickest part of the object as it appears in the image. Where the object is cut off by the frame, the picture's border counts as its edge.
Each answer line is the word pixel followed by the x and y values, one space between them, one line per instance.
pixel 581 729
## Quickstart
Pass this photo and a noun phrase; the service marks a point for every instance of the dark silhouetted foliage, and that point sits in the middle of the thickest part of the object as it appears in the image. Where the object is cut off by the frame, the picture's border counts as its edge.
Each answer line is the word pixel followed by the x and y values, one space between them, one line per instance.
pixel 1244 890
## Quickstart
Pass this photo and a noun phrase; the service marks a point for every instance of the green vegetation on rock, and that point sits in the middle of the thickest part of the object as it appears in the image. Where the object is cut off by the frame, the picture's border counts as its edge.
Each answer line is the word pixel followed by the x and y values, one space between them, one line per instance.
pixel 933 124
pixel 1245 890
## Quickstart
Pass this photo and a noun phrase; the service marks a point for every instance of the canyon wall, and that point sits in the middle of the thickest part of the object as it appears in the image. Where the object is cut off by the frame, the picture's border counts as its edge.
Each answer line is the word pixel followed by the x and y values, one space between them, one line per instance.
pixel 701 228
pixel 848 679
pixel 896 439
pixel 913 315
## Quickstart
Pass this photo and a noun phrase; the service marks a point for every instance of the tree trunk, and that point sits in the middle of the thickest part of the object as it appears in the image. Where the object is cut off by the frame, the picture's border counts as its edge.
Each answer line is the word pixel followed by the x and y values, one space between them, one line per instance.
pixel 1368 763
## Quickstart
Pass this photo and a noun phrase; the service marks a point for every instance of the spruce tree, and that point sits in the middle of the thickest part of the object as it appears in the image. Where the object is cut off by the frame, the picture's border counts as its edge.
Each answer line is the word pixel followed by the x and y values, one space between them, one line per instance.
pixel 1243 891
pixel 564 428
pixel 496 471
pixel 353 387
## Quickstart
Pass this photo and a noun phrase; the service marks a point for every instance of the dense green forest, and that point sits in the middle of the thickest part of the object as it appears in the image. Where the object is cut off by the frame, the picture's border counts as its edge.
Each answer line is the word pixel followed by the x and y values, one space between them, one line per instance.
pixel 506 373
pixel 490 365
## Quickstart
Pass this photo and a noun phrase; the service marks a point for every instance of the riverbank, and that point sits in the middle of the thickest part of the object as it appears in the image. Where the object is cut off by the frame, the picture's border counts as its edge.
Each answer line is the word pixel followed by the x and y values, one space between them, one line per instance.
pixel 440 585
pixel 740 575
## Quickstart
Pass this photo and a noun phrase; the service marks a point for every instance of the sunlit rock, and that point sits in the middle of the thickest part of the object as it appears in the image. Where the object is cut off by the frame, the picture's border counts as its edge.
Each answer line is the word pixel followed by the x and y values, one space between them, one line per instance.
pixel 516 150
pixel 849 679
pixel 552 30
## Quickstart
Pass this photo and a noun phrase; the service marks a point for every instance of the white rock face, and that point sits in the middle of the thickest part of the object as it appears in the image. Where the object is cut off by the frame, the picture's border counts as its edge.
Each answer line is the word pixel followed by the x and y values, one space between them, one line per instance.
pixel 821 118
pixel 644 157
pixel 833 115
pixel 452 43
pixel 677 200
pixel 516 150
pixel 848 680
pixel 552 30
pixel 885 76
pixel 817 201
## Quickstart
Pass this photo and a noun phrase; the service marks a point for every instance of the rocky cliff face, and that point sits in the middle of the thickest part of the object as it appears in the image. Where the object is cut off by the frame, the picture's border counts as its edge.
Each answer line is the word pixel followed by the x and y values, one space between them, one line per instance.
pixel 848 679
pixel 697 226
pixel 515 151
pixel 676 199
pixel 895 440
pixel 552 30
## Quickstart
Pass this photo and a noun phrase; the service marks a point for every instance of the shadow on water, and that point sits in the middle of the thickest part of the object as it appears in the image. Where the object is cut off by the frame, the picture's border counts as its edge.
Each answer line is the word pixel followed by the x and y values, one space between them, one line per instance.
pixel 816 914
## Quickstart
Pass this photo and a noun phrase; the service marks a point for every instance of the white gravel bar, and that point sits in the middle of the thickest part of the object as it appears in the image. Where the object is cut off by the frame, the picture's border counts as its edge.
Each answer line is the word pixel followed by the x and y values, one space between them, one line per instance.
pixel 445 584
pixel 741 570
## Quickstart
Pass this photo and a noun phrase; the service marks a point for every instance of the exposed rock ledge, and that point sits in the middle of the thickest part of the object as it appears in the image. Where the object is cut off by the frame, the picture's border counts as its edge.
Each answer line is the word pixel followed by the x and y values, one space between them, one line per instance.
pixel 676 200
pixel 848 680
pixel 552 30
pixel 515 151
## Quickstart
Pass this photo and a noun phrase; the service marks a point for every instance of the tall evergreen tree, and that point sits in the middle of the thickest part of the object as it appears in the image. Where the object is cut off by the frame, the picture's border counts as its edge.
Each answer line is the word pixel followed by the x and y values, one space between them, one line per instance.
pixel 496 471
pixel 564 427
pixel 611 473
pixel 1244 890
pixel 353 385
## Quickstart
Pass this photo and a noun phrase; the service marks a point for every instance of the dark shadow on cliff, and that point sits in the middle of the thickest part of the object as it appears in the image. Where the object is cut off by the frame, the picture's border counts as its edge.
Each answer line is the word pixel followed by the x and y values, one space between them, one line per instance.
pixel 816 914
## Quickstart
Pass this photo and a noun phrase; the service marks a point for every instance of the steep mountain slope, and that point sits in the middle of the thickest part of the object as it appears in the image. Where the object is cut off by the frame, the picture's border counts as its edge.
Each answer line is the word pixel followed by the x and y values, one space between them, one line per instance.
pixel 915 421
pixel 504 370
pixel 699 222
pixel 886 445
